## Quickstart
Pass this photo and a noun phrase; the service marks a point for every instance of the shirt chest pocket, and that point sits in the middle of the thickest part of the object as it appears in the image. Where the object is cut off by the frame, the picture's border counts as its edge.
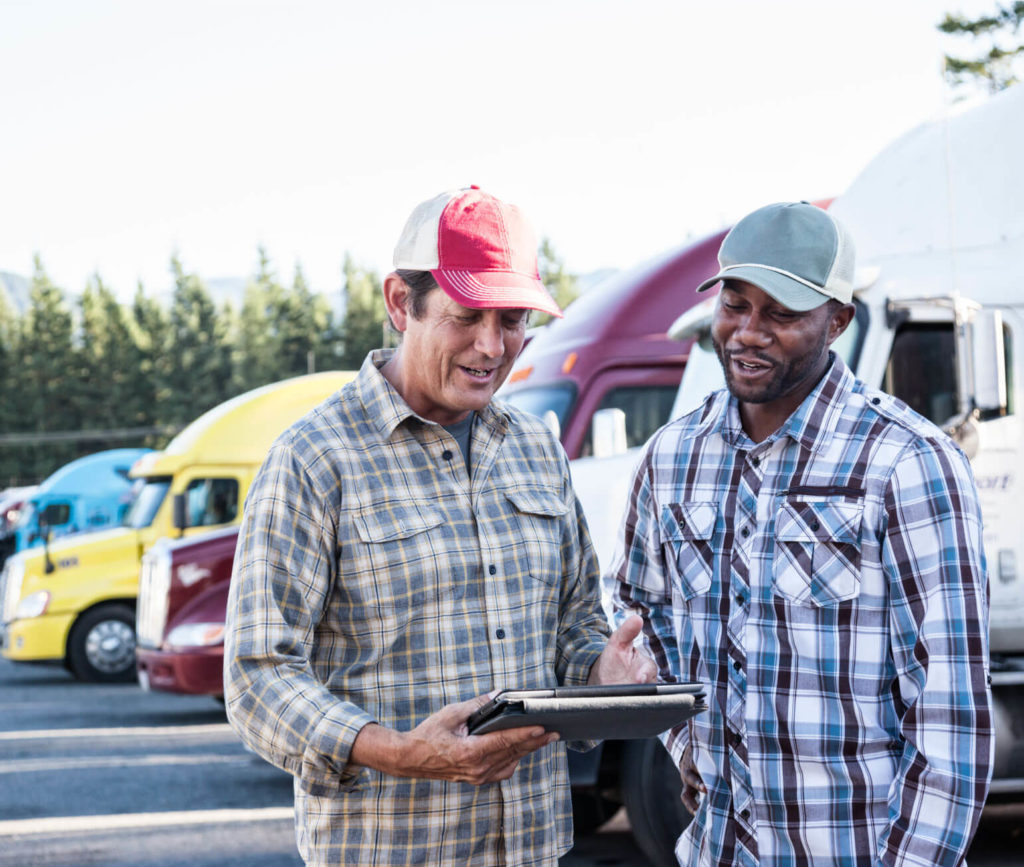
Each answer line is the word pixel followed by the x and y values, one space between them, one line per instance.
pixel 540 517
pixel 394 562
pixel 687 536
pixel 817 552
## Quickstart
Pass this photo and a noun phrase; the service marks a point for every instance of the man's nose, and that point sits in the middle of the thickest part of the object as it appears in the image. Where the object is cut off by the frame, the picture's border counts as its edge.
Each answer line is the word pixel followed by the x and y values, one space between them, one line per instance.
pixel 752 330
pixel 490 340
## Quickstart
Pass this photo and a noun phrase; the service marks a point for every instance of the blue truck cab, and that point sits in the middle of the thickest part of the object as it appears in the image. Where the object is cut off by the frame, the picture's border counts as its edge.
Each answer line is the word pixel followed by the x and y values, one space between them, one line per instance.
pixel 90 493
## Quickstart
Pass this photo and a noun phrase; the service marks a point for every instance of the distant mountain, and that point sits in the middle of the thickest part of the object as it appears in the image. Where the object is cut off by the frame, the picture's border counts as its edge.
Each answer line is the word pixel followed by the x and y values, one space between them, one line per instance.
pixel 595 278
pixel 15 287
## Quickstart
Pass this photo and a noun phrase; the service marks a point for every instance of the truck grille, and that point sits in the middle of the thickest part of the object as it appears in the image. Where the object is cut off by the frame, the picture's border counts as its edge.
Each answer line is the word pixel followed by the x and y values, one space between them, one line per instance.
pixel 154 588
pixel 10 589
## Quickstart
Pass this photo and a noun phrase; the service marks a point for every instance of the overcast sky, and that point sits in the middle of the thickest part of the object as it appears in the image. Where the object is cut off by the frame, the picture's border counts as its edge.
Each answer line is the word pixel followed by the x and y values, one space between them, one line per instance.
pixel 622 127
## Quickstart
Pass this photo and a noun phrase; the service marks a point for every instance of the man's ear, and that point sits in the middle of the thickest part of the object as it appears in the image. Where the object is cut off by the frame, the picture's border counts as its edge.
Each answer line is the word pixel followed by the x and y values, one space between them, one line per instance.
pixel 396 300
pixel 840 321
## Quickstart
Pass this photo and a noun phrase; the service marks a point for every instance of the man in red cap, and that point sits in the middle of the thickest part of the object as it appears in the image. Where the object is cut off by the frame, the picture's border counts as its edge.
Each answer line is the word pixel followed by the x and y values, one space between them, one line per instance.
pixel 408 547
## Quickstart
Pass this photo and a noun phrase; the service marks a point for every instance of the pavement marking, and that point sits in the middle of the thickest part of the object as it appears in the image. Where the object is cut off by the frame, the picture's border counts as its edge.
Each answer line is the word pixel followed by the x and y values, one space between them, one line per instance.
pixel 128 821
pixel 69 763
pixel 127 731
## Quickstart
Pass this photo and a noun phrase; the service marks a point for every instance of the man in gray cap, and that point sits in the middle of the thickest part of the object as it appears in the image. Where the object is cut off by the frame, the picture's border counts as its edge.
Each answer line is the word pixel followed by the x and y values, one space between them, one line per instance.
pixel 812 550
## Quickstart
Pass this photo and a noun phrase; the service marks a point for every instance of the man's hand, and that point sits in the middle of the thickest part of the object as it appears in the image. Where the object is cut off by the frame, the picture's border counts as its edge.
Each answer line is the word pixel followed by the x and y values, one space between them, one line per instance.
pixel 440 748
pixel 620 661
pixel 693 785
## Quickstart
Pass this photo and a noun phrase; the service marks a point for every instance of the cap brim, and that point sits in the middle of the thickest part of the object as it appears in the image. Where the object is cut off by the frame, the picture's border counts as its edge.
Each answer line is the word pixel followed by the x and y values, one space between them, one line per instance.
pixel 496 289
pixel 788 292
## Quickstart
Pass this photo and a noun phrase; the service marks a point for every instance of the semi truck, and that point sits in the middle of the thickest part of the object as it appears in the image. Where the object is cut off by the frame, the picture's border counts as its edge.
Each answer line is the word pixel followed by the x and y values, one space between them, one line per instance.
pixel 12 503
pixel 611 351
pixel 939 231
pixel 74 602
pixel 90 493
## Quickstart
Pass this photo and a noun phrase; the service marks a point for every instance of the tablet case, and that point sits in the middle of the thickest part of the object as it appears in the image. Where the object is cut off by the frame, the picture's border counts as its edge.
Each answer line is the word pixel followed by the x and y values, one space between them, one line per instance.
pixel 619 711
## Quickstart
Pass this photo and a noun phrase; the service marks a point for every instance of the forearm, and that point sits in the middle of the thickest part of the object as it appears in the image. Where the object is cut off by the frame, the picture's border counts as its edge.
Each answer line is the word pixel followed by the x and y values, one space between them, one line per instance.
pixel 288 717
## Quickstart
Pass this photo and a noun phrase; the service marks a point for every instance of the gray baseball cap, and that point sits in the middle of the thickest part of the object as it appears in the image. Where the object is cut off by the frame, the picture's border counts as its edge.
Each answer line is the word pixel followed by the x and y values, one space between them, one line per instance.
pixel 796 252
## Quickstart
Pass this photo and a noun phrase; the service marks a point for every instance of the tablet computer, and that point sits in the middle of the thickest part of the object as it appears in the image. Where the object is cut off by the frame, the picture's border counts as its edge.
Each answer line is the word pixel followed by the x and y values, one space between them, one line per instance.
pixel 616 711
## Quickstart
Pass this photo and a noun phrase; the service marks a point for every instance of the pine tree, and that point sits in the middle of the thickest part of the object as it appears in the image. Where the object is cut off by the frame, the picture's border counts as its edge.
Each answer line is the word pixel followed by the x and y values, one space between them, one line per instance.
pixel 11 392
pixel 305 324
pixel 1000 65
pixel 199 375
pixel 363 328
pixel 256 338
pixel 48 375
pixel 110 365
pixel 563 286
pixel 150 390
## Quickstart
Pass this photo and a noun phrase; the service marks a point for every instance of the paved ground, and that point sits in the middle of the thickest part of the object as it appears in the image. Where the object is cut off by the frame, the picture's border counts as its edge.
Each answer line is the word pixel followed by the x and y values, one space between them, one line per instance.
pixel 114 776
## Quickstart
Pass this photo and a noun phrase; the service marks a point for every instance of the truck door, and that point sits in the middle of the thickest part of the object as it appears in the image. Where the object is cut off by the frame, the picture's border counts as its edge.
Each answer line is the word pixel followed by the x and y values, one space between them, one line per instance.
pixel 644 394
pixel 927 370
pixel 211 502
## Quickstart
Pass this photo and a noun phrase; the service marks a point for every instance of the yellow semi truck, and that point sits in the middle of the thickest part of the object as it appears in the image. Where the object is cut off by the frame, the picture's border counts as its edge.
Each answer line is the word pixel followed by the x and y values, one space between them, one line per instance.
pixel 74 601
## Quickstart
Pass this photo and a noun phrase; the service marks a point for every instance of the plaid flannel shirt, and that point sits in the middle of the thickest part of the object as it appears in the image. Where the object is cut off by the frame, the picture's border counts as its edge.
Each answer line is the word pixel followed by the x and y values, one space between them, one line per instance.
pixel 829 585
pixel 376 581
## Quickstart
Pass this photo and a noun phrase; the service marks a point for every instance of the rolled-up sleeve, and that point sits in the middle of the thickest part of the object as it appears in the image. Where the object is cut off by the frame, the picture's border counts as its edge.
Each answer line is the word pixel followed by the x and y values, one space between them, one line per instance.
pixel 284 570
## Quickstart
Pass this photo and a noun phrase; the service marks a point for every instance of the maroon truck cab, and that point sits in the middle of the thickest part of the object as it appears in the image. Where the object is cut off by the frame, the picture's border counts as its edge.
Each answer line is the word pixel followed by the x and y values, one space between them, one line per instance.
pixel 183 591
pixel 611 351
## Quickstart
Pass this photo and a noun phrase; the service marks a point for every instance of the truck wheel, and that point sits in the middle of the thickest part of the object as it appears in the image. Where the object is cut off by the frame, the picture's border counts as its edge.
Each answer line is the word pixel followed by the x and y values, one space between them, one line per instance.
pixel 650 790
pixel 101 647
pixel 590 810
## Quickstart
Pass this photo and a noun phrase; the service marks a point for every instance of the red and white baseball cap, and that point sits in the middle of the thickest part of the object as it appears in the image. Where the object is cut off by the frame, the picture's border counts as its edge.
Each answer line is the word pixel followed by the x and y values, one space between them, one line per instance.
pixel 481 251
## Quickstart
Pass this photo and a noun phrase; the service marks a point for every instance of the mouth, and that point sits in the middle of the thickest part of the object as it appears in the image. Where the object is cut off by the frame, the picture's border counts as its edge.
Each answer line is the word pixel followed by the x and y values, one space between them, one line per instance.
pixel 750 366
pixel 478 373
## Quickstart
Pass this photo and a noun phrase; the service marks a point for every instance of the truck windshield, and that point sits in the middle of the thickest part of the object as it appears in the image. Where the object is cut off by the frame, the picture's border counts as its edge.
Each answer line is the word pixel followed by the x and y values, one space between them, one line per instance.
pixel 146 504
pixel 558 399
pixel 27 516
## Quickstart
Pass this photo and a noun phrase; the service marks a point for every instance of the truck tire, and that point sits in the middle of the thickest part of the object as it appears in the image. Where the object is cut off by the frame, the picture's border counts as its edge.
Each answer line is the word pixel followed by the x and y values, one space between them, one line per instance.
pixel 590 810
pixel 650 791
pixel 101 647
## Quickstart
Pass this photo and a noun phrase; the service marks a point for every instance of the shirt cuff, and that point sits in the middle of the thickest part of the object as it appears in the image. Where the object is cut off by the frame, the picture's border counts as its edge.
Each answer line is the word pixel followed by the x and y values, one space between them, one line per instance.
pixel 326 761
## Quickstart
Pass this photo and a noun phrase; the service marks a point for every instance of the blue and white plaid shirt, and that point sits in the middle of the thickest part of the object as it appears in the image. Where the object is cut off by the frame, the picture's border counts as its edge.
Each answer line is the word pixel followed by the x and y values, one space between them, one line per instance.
pixel 829 586
pixel 375 580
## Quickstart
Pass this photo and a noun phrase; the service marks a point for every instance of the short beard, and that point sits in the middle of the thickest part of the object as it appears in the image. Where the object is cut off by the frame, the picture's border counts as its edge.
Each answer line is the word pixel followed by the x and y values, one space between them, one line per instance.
pixel 788 376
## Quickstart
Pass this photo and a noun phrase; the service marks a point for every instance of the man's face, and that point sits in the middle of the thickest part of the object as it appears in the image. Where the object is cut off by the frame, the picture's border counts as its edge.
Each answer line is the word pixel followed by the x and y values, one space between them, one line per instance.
pixel 770 354
pixel 454 358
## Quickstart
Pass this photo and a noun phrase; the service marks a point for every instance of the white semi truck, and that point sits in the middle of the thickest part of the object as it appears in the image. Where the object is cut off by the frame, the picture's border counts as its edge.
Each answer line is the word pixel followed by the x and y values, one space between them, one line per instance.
pixel 938 221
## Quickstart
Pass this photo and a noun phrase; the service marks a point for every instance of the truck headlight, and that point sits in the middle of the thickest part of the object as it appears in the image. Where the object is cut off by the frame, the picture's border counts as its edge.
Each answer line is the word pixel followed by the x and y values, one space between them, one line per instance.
pixel 33 605
pixel 196 635
pixel 10 582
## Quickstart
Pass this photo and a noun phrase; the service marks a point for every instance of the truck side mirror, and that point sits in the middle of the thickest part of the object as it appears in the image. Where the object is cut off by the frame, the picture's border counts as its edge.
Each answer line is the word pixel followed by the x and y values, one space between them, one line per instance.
pixel 180 513
pixel 988 361
pixel 608 432
pixel 552 423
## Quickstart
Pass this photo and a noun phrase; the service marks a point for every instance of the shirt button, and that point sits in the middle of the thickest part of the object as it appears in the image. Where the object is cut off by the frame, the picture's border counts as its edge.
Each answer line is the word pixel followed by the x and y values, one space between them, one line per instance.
pixel 740 599
pixel 492 569
pixel 744 814
pixel 756 462
pixel 876 400
pixel 815 526
pixel 745 532
pixel 737 665
pixel 737 739
pixel 446 454
pixel 500 633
